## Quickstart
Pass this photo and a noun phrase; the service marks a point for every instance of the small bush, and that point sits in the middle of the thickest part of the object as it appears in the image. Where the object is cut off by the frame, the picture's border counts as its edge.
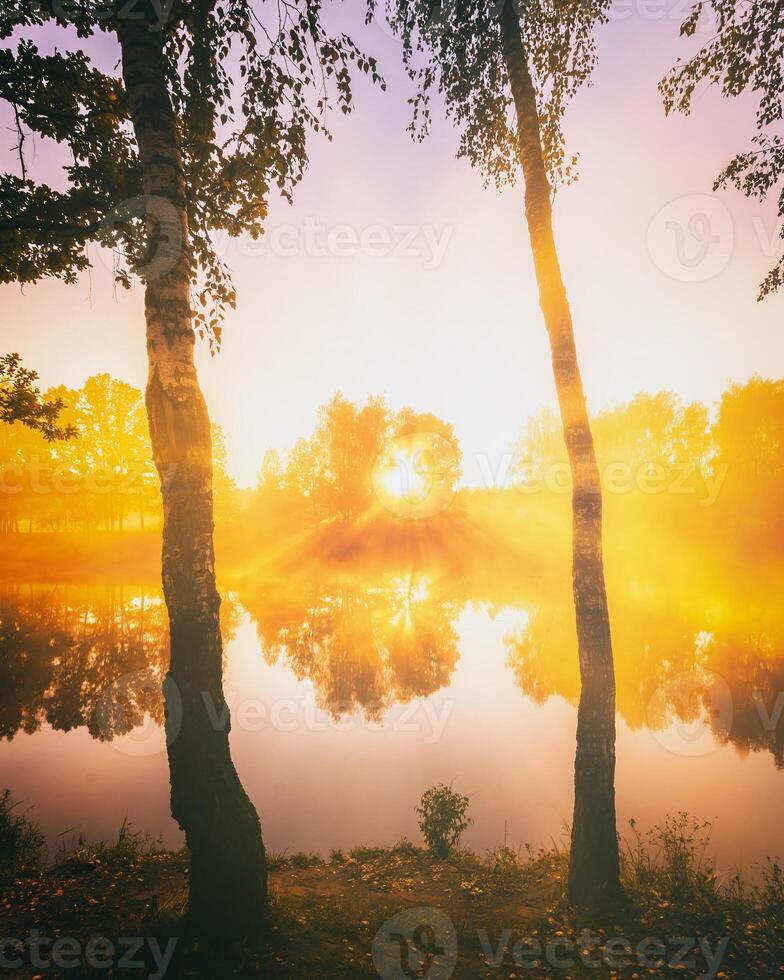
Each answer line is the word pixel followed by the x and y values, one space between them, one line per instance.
pixel 672 860
pixel 22 845
pixel 442 818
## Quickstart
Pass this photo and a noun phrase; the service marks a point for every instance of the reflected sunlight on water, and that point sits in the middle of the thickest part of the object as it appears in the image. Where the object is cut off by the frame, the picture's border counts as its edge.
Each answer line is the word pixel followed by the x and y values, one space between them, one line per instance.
pixel 350 697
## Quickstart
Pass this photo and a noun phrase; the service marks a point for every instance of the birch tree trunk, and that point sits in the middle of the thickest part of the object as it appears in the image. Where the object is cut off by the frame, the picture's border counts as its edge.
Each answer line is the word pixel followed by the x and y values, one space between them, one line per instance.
pixel 594 864
pixel 228 877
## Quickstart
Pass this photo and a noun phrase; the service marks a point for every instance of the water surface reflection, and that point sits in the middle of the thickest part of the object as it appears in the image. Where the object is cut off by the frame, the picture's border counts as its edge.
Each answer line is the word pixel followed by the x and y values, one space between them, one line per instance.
pixel 491 687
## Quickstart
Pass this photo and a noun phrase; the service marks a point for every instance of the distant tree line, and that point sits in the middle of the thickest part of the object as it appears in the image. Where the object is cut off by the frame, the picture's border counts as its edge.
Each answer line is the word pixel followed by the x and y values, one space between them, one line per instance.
pixel 329 477
pixel 725 463
pixel 728 462
pixel 100 478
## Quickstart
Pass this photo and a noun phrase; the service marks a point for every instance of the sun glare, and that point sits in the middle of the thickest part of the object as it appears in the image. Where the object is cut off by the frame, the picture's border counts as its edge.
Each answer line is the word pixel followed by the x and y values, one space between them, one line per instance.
pixel 407 476
pixel 406 596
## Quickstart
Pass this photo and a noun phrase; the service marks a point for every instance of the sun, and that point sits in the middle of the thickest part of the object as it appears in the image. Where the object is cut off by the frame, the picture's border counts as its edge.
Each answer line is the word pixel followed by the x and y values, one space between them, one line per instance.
pixel 411 475
pixel 406 478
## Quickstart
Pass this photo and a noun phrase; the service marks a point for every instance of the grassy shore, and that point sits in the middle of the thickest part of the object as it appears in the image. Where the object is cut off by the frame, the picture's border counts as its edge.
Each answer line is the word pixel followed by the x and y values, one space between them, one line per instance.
pixel 327 915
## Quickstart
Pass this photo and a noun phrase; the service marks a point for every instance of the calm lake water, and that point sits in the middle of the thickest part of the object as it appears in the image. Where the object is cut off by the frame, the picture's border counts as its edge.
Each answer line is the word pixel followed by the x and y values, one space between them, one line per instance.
pixel 350 698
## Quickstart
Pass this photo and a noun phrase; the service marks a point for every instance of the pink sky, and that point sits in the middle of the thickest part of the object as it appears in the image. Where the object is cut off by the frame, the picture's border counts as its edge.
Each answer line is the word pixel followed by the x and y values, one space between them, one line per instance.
pixel 462 336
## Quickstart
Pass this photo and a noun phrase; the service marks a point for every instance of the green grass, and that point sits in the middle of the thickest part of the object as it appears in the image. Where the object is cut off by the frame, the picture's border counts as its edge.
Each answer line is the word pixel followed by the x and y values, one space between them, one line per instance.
pixel 22 845
pixel 324 915
pixel 672 861
pixel 505 871
pixel 363 853
pixel 300 859
pixel 128 847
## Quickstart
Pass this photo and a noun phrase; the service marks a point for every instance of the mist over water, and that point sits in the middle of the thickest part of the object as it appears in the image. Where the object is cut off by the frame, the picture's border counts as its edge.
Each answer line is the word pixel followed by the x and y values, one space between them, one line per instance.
pixel 351 693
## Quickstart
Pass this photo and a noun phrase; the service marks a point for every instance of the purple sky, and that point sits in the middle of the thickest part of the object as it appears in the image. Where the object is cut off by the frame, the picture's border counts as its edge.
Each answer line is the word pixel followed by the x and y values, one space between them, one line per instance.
pixel 662 273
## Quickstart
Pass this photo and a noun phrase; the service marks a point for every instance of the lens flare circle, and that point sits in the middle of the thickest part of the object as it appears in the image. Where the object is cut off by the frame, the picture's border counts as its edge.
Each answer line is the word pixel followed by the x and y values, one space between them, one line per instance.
pixel 411 475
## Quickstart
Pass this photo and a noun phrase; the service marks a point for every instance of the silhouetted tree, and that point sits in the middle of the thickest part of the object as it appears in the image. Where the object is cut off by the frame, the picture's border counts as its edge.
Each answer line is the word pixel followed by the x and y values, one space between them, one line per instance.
pixel 487 59
pixel 212 108
pixel 21 401
pixel 333 467
pixel 114 444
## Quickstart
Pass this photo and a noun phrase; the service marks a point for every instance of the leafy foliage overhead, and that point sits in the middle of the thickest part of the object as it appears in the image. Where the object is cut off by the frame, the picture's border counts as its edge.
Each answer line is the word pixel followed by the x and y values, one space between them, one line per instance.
pixel 453 49
pixel 248 81
pixel 743 54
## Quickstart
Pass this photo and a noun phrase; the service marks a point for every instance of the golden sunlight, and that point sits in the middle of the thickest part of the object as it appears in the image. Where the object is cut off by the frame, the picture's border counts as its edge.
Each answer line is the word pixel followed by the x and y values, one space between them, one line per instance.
pixel 409 477
pixel 433 581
